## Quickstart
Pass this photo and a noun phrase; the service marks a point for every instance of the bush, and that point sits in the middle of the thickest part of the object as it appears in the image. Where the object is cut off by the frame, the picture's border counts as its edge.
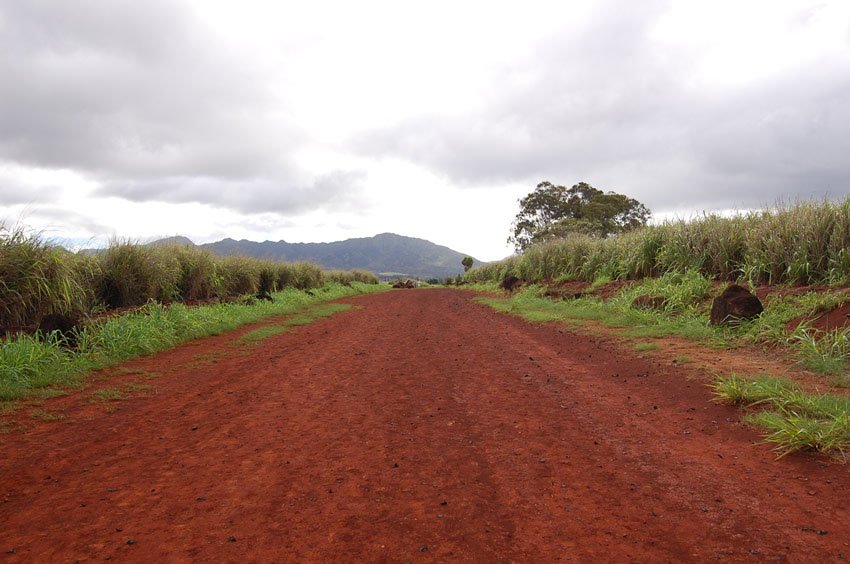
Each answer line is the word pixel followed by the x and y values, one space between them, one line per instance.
pixel 132 274
pixel 199 279
pixel 36 279
pixel 239 275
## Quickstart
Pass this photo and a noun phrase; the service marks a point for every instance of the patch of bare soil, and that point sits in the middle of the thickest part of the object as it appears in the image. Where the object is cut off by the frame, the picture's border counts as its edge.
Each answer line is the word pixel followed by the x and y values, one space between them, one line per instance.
pixel 611 289
pixel 423 426
pixel 832 320
pixel 565 290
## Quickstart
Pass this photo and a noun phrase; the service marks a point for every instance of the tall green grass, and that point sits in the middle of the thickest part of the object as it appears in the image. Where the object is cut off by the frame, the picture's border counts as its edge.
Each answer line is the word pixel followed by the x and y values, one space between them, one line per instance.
pixel 38 278
pixel 805 243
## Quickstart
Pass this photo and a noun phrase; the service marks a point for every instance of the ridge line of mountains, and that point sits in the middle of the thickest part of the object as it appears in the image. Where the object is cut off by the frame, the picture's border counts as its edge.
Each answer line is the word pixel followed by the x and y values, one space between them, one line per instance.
pixel 387 255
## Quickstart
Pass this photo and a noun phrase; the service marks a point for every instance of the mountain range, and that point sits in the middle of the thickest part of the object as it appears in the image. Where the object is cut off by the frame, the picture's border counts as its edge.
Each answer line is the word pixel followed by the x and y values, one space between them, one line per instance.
pixel 388 255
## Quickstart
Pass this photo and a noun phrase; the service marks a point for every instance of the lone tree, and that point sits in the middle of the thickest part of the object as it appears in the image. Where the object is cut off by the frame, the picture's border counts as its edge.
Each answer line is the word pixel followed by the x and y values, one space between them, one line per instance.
pixel 552 212
pixel 467 263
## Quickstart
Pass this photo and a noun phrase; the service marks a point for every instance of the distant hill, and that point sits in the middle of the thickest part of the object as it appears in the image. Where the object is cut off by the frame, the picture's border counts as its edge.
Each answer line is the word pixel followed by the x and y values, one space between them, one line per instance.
pixel 176 240
pixel 387 255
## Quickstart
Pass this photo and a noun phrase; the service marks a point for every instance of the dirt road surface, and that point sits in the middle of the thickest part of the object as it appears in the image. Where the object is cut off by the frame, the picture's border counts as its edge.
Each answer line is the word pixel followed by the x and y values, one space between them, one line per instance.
pixel 420 426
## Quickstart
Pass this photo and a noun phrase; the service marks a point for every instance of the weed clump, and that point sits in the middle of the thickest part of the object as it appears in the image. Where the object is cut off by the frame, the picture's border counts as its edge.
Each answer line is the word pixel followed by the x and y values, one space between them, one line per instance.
pixel 793 419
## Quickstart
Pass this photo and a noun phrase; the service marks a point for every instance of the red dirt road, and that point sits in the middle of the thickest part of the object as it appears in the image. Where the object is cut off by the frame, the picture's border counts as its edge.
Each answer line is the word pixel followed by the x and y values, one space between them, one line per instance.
pixel 420 427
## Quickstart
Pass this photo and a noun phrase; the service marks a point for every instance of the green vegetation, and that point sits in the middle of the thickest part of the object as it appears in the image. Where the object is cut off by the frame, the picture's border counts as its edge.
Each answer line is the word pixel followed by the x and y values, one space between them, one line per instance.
pixel 685 313
pixel 801 244
pixel 793 419
pixel 31 365
pixel 825 352
pixel 681 291
pixel 37 278
pixel 553 212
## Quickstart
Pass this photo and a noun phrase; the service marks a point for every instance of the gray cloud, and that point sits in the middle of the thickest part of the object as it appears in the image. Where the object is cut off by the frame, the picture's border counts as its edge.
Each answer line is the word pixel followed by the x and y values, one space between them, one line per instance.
pixel 11 193
pixel 56 218
pixel 606 106
pixel 339 190
pixel 139 90
pixel 14 190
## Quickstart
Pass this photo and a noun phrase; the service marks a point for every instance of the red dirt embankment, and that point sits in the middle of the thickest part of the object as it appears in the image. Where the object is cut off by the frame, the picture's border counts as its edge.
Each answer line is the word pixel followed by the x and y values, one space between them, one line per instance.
pixel 423 426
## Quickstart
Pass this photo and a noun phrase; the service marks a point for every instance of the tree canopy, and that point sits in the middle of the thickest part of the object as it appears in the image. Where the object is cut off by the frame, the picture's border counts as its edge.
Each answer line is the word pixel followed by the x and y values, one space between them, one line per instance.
pixel 552 211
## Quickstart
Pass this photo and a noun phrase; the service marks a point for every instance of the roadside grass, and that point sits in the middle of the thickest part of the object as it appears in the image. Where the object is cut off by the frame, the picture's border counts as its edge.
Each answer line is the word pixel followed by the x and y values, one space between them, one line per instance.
pixel 793 419
pixel 685 314
pixel 31 366
pixel 640 347
pixel 827 353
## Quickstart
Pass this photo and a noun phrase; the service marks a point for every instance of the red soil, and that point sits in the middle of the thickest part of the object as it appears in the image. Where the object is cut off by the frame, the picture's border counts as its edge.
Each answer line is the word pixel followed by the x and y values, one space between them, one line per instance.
pixel 832 320
pixel 420 427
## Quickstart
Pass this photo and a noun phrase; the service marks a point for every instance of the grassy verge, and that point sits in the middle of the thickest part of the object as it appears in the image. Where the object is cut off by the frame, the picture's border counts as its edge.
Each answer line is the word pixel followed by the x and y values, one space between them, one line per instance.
pixel 793 419
pixel 685 314
pixel 683 319
pixel 35 367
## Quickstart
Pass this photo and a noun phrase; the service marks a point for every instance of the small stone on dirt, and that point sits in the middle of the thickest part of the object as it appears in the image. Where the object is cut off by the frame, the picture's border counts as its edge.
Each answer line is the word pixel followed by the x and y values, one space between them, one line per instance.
pixel 131 542
pixel 231 539
pixel 423 549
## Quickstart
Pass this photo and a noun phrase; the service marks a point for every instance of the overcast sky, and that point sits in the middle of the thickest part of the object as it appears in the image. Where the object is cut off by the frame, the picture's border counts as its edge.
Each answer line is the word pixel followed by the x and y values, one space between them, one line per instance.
pixel 320 121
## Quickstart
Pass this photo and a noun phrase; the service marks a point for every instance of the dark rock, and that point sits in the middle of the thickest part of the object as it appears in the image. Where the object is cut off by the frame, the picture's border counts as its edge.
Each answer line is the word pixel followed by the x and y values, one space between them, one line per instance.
pixel 510 283
pixel 734 304
pixel 649 302
pixel 65 325
pixel 404 283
